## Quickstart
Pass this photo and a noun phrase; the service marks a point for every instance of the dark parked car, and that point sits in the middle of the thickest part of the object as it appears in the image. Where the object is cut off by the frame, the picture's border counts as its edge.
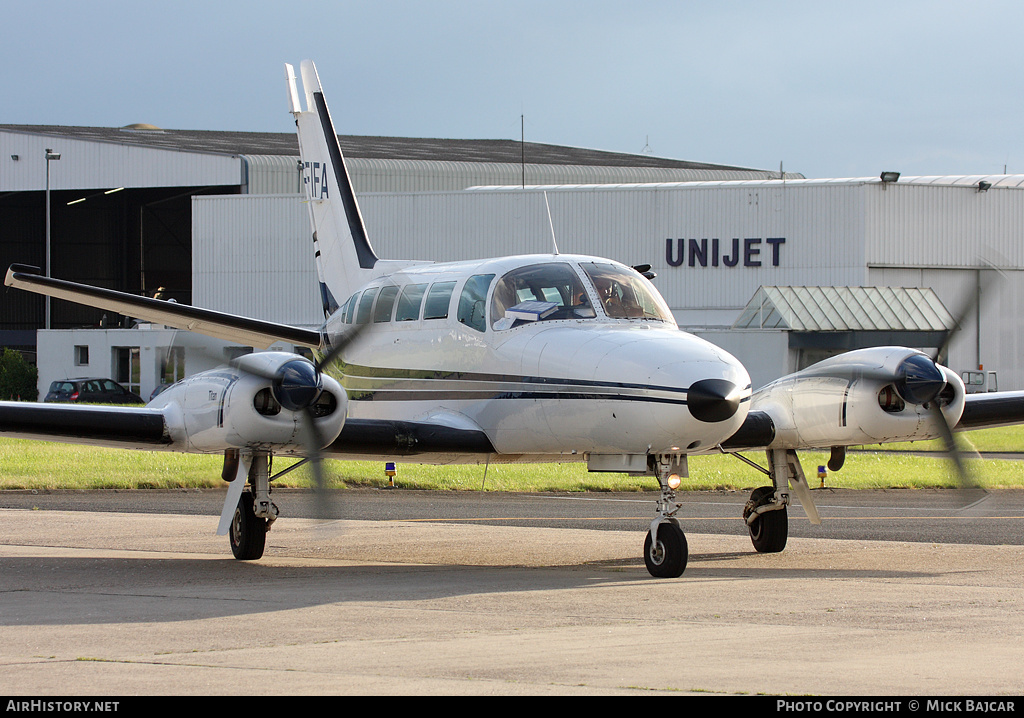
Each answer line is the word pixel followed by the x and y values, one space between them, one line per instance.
pixel 99 391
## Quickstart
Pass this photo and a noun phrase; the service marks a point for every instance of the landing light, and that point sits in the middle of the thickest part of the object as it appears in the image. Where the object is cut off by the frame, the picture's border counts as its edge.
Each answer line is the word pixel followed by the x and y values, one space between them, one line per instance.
pixel 674 481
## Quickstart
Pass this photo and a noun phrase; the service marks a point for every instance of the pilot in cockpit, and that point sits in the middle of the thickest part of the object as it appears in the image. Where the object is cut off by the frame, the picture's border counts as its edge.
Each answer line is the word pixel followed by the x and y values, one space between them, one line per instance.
pixel 610 298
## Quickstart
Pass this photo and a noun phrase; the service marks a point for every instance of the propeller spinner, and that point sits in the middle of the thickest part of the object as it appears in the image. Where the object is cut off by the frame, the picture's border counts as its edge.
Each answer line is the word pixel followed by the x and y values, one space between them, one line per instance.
pixel 297 385
pixel 919 380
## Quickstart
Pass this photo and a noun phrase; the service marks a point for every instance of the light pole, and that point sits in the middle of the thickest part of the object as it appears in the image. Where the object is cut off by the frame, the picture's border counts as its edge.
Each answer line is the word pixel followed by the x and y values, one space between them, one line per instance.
pixel 50 156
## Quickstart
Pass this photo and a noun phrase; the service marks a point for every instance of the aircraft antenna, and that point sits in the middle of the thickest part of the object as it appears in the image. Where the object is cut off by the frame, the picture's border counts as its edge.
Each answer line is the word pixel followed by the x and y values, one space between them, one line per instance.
pixel 522 147
pixel 551 224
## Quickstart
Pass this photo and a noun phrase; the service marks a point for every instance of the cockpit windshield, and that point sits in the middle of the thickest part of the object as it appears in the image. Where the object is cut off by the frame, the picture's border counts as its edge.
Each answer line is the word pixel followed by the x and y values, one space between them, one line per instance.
pixel 539 292
pixel 626 294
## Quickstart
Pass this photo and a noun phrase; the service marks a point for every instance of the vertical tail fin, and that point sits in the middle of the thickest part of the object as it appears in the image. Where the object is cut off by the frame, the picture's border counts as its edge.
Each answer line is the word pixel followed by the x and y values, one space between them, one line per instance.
pixel 343 253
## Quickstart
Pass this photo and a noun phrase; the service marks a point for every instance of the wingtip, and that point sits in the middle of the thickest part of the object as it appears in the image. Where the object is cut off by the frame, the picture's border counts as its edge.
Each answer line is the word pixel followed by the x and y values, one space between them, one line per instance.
pixel 19 269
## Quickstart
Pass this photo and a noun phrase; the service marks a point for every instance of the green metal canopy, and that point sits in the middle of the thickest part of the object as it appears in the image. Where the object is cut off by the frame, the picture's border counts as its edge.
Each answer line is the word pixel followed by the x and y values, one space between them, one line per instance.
pixel 846 309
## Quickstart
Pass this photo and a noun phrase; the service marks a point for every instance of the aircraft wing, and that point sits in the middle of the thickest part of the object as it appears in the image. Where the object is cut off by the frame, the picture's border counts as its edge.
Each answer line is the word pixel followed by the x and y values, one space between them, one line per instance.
pixel 147 428
pixel 121 427
pixel 230 327
pixel 386 438
pixel 984 411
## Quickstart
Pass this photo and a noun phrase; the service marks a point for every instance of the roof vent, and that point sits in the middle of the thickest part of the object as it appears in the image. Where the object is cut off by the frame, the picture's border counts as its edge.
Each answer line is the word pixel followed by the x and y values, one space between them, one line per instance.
pixel 141 127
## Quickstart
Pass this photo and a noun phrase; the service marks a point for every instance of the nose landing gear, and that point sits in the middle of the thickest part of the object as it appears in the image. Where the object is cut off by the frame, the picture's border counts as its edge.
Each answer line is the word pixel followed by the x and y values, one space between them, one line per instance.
pixel 247 513
pixel 665 548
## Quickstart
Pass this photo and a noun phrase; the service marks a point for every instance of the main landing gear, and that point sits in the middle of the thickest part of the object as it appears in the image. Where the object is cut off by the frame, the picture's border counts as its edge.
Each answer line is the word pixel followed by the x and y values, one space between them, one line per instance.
pixel 766 512
pixel 767 520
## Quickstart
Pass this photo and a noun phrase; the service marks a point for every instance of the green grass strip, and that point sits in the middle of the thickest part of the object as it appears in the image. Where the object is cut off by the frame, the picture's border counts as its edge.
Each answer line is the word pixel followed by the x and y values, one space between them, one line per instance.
pixel 50 466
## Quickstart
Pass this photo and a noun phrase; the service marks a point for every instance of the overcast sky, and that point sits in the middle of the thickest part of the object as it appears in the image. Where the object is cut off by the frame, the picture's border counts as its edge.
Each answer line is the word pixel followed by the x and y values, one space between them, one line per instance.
pixel 830 89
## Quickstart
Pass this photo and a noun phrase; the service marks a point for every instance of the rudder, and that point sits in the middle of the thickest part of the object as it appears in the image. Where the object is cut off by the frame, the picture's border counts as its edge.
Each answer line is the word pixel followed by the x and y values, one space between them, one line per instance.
pixel 344 256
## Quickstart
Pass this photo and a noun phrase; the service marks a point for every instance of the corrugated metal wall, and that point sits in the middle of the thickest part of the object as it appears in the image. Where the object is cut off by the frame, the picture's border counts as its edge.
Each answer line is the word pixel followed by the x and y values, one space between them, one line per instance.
pixel 253 255
pixel 279 175
pixel 946 234
pixel 944 226
pixel 271 174
pixel 821 226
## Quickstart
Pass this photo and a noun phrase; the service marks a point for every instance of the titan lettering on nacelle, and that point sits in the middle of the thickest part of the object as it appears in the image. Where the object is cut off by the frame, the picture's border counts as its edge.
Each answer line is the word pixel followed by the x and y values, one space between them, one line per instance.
pixel 715 253
pixel 314 177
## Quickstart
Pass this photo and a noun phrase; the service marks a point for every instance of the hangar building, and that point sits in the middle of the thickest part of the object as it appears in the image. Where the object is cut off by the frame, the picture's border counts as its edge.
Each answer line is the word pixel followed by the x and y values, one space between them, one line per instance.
pixel 745 258
pixel 741 262
pixel 751 265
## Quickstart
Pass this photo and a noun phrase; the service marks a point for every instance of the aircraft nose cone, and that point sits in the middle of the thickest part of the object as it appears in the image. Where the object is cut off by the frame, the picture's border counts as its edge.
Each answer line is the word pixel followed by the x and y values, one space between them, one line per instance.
pixel 713 400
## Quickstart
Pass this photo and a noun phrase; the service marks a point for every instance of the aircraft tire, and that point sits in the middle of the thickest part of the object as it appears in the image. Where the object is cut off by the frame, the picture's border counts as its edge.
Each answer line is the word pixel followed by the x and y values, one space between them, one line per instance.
pixel 667 559
pixel 248 533
pixel 770 530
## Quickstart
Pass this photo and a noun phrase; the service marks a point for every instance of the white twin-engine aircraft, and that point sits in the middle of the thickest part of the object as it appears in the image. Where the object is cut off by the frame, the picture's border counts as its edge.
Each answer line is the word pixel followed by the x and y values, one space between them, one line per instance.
pixel 540 358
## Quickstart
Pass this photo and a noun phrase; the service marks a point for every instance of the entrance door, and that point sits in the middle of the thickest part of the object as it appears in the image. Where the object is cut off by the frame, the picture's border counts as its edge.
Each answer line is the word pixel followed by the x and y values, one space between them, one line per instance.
pixel 127 368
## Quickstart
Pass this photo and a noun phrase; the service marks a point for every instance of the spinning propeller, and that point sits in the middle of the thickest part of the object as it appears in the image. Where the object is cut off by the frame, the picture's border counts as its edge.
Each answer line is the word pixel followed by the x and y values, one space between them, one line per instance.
pixel 953 452
pixel 297 386
pixel 307 388
pixel 919 380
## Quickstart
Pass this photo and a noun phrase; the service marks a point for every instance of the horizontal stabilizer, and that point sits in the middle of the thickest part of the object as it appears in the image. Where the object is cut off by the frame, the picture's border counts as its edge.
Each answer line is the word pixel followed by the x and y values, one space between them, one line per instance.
pixel 229 327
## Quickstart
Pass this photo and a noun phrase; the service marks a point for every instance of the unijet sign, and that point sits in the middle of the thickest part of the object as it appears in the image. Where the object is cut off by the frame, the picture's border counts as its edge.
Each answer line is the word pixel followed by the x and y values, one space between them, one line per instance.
pixel 748 252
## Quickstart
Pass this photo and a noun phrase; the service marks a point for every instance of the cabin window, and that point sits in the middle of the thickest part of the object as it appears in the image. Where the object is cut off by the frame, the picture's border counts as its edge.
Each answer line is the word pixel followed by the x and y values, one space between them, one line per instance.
pixel 365 305
pixel 385 303
pixel 438 299
pixel 626 294
pixel 471 303
pixel 539 292
pixel 348 311
pixel 409 303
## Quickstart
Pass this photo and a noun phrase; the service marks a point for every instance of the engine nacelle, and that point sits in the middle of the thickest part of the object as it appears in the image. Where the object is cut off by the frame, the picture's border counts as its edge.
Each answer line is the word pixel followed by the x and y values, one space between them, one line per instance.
pixel 252 405
pixel 860 398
